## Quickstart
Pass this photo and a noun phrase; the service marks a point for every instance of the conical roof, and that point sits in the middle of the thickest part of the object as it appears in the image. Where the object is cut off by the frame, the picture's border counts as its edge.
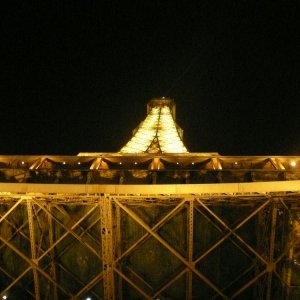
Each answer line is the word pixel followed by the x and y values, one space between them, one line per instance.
pixel 158 133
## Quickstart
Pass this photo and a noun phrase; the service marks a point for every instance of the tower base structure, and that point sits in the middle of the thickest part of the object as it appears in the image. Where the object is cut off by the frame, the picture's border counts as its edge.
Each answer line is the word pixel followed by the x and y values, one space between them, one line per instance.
pixel 180 226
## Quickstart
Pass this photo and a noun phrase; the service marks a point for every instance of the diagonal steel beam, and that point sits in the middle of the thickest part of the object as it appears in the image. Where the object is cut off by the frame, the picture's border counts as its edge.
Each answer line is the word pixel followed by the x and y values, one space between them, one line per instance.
pixel 232 232
pixel 11 209
pixel 146 296
pixel 66 214
pixel 147 235
pixel 81 235
pixel 32 264
pixel 16 281
pixel 236 279
pixel 249 283
pixel 52 255
pixel 191 266
pixel 220 230
pixel 52 264
pixel 88 286
pixel 170 282
pixel 293 241
pixel 17 230
pixel 68 231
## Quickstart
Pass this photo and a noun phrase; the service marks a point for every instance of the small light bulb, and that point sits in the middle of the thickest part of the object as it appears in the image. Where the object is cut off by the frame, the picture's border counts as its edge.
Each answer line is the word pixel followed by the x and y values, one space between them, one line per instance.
pixel 293 163
pixel 23 162
pixel 235 162
pixel 79 163
pixel 120 163
pixel 64 162
pixel 88 298
pixel 135 163
pixel 4 297
pixel 193 163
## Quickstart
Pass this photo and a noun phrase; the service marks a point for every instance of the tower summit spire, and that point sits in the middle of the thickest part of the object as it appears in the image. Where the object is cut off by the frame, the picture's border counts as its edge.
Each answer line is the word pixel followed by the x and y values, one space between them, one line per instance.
pixel 158 133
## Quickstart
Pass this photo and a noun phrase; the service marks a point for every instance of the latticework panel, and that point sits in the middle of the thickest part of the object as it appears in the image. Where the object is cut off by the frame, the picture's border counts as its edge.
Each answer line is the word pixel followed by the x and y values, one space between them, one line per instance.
pixel 158 247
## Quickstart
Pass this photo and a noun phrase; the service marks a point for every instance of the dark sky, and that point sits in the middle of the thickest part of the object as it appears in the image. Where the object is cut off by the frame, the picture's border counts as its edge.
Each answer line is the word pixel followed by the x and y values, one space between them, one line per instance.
pixel 77 75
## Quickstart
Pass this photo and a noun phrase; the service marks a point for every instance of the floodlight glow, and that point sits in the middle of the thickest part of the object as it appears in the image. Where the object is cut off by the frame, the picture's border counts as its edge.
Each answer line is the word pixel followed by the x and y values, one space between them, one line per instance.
pixel 157 133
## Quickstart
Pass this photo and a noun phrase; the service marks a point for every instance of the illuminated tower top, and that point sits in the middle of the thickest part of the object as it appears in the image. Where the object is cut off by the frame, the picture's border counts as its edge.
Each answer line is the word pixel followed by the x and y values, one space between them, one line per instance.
pixel 158 133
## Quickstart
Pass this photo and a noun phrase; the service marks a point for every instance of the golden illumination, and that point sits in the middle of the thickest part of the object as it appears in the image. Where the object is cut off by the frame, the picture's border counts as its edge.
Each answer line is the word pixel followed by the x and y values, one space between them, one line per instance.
pixel 158 133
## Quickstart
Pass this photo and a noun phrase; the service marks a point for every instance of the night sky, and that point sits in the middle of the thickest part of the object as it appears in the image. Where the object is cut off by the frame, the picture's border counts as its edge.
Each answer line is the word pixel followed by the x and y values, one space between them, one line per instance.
pixel 77 75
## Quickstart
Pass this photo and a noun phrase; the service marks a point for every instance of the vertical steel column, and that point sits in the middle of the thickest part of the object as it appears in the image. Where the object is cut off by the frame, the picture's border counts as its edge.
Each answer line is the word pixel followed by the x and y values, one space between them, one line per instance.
pixel 271 264
pixel 288 274
pixel 53 269
pixel 107 247
pixel 33 249
pixel 190 238
pixel 118 247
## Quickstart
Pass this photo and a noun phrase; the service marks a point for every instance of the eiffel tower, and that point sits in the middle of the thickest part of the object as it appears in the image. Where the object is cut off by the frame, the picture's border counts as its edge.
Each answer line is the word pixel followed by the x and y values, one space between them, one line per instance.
pixel 158 133
pixel 150 221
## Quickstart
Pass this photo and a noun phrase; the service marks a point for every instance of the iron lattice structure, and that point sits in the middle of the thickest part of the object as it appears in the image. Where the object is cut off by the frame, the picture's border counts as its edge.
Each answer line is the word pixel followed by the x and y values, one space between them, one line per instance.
pixel 150 225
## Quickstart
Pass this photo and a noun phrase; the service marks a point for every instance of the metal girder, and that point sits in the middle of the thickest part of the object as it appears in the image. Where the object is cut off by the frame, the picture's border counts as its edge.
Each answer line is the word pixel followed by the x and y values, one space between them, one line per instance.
pixel 220 230
pixel 118 249
pixel 11 209
pixel 52 256
pixel 107 247
pixel 147 235
pixel 115 254
pixel 170 282
pixel 68 231
pixel 191 266
pixel 88 286
pixel 271 265
pixel 32 264
pixel 232 232
pixel 33 249
pixel 190 243
pixel 16 281
pixel 249 283
pixel 288 275
pixel 146 296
